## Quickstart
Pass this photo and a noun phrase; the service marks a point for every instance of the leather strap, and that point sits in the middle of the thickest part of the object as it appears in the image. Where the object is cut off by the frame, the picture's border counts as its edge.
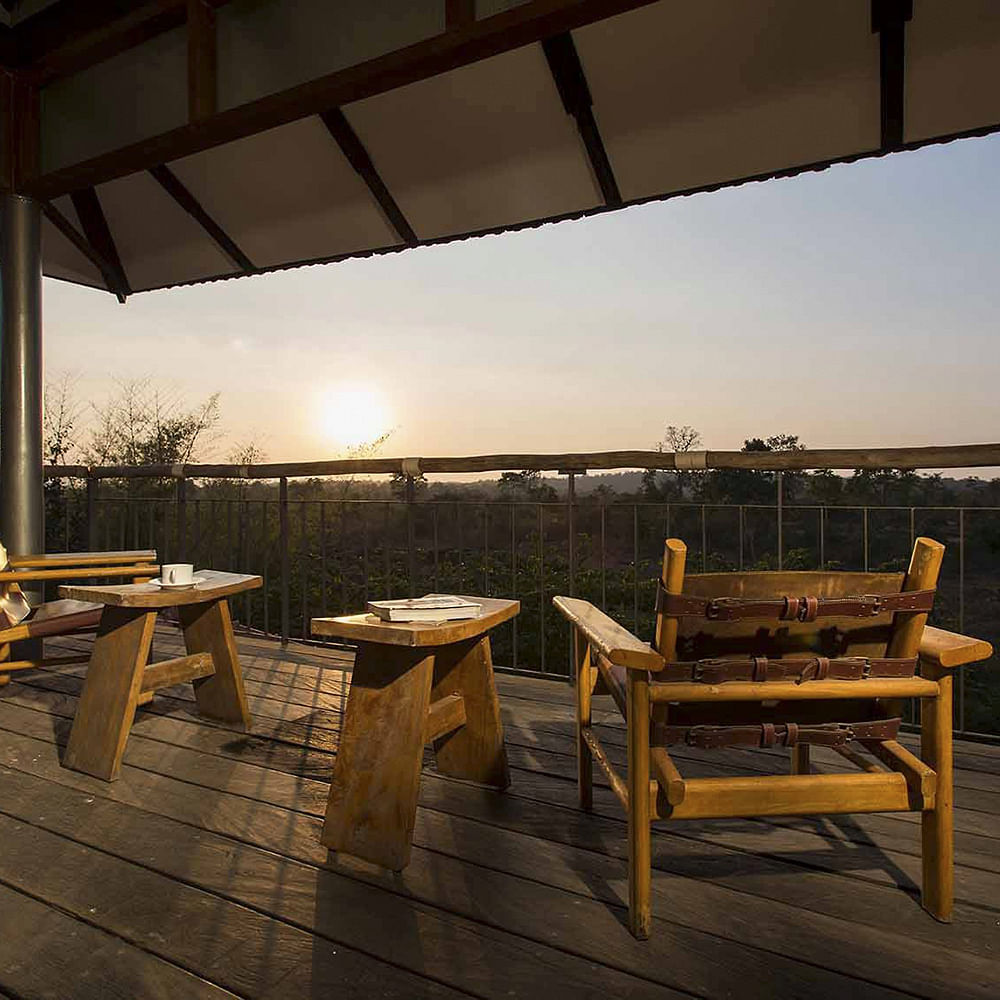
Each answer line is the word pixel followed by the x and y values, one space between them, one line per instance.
pixel 813 668
pixel 803 609
pixel 769 734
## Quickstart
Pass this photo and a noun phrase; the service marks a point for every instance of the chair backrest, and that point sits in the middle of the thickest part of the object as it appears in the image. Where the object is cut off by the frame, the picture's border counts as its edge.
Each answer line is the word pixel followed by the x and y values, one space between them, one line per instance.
pixel 693 637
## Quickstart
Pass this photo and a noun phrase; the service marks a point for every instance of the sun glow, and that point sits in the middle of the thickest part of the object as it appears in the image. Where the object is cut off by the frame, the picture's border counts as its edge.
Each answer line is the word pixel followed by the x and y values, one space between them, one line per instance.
pixel 352 415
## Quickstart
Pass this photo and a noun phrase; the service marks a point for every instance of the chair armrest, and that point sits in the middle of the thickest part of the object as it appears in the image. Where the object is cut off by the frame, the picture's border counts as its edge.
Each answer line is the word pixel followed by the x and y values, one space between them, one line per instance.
pixel 607 636
pixel 949 649
pixel 54 560
pixel 78 573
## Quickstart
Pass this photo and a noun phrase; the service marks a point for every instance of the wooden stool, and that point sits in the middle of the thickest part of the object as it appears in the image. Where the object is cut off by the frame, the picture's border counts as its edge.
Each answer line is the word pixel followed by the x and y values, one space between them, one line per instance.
pixel 413 683
pixel 118 677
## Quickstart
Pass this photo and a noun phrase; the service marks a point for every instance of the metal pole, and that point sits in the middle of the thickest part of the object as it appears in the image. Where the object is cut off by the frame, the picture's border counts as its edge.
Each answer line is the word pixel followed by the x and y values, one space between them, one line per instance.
pixel 21 513
pixel 181 519
pixel 411 547
pixel 92 487
pixel 781 525
pixel 571 534
pixel 283 541
pixel 571 546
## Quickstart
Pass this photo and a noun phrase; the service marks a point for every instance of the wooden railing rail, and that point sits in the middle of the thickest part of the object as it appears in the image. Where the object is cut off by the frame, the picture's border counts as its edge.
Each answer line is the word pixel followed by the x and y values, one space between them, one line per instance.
pixel 933 457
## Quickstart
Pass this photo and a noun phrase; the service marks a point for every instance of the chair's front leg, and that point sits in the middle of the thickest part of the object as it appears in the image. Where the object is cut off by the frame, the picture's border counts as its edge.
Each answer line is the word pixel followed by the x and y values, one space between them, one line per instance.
pixel 584 694
pixel 938 847
pixel 639 855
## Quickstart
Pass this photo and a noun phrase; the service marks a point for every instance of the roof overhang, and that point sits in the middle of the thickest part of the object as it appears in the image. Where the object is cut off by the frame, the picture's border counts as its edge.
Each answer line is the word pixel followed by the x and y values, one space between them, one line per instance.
pixel 176 141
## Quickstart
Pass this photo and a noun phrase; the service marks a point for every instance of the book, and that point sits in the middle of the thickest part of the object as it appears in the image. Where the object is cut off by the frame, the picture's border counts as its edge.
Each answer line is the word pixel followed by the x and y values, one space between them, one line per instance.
pixel 430 608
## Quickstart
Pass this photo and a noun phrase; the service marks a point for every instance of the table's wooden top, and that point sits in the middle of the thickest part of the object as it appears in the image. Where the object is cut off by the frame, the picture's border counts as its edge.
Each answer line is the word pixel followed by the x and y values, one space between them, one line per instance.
pixel 371 628
pixel 148 595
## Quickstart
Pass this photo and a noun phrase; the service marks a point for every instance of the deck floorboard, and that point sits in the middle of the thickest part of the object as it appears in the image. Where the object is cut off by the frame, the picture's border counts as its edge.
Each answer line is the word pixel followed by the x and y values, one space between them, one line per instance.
pixel 200 870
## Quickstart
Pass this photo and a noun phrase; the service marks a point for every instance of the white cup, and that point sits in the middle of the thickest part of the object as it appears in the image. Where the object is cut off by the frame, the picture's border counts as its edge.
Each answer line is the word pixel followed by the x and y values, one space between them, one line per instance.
pixel 177 573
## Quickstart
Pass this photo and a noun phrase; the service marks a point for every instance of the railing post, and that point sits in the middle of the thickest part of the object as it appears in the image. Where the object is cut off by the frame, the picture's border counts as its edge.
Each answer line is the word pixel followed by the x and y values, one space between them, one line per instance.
pixel 411 553
pixel 961 614
pixel 571 534
pixel 283 541
pixel 779 480
pixel 93 484
pixel 180 495
pixel 571 545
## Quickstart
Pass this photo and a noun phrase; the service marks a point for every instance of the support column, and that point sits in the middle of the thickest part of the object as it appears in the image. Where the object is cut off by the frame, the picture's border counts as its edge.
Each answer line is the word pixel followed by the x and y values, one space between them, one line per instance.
pixel 21 510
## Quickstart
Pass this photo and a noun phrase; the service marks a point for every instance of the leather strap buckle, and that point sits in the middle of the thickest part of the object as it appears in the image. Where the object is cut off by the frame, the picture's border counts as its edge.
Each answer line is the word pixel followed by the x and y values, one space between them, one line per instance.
pixel 866 670
pixel 872 604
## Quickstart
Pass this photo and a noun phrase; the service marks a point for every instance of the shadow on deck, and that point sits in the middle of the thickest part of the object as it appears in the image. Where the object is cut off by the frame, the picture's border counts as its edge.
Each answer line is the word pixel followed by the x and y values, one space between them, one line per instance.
pixel 200 873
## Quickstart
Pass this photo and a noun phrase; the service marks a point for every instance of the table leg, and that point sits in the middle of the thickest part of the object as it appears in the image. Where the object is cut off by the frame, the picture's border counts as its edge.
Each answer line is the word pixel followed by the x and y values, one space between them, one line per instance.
pixel 475 751
pixel 110 692
pixel 208 628
pixel 373 796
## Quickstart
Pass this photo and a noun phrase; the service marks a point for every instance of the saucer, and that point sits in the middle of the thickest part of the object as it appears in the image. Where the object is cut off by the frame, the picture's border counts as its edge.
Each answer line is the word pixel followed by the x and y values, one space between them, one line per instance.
pixel 178 586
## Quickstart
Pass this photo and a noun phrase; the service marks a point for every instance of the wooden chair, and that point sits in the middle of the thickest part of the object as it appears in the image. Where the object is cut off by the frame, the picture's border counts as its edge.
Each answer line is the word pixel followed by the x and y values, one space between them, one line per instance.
pixel 60 618
pixel 778 659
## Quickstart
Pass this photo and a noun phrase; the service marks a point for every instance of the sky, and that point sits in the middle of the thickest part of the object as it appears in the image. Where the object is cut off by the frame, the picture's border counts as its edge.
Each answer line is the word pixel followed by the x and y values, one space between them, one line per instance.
pixel 855 307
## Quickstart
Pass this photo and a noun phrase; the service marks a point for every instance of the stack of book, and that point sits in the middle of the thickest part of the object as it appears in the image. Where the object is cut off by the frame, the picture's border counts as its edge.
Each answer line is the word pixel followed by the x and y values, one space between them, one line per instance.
pixel 431 608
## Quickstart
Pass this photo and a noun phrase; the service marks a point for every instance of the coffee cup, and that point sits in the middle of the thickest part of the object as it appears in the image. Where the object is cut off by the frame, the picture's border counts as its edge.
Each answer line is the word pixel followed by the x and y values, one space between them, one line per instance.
pixel 177 573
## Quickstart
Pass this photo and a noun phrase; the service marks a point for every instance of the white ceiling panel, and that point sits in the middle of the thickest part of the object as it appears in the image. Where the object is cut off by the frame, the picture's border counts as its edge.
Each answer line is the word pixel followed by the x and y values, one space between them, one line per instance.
pixel 483 146
pixel 287 195
pixel 688 95
pixel 157 241
pixel 952 67
pixel 60 259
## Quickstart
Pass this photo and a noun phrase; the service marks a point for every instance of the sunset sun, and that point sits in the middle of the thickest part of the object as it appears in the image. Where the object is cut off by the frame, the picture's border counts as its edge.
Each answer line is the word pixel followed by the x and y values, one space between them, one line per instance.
pixel 351 415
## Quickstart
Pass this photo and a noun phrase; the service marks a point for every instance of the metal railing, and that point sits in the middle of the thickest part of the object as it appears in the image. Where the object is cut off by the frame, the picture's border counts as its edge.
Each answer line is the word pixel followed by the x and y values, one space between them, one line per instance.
pixel 328 556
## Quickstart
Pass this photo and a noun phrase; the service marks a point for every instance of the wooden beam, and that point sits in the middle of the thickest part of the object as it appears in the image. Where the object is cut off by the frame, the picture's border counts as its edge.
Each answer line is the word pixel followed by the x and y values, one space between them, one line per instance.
pixel 98 233
pixel 522 25
pixel 889 19
pixel 444 716
pixel 945 456
pixel 921 778
pixel 201 53
pixel 80 242
pixel 340 128
pixel 616 781
pixel 567 71
pixel 172 184
pixel 68 36
pixel 791 795
pixel 167 673
pixel 19 132
pixel 667 775
pixel 875 687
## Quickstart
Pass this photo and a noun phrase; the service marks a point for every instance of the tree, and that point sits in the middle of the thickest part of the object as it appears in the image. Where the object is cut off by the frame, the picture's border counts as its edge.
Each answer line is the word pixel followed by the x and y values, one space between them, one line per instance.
pixel 525 485
pixel 142 424
pixel 672 485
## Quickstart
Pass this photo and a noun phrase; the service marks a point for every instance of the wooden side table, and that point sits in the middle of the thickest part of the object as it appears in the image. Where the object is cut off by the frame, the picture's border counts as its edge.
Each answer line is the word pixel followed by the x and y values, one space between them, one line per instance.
pixel 118 674
pixel 413 683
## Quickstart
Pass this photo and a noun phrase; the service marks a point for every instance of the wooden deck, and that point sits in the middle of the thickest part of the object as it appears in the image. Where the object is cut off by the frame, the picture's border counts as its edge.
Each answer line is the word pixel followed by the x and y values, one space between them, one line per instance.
pixel 200 874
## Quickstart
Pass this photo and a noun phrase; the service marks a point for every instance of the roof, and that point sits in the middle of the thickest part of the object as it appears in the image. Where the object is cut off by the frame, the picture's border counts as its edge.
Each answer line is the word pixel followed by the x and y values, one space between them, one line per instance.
pixel 340 130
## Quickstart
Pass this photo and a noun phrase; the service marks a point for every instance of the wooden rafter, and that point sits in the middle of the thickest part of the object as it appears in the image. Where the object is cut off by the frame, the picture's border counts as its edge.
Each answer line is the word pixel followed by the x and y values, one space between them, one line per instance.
pixel 98 234
pixel 352 147
pixel 522 25
pixel 567 71
pixel 69 36
pixel 201 52
pixel 889 19
pixel 172 184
